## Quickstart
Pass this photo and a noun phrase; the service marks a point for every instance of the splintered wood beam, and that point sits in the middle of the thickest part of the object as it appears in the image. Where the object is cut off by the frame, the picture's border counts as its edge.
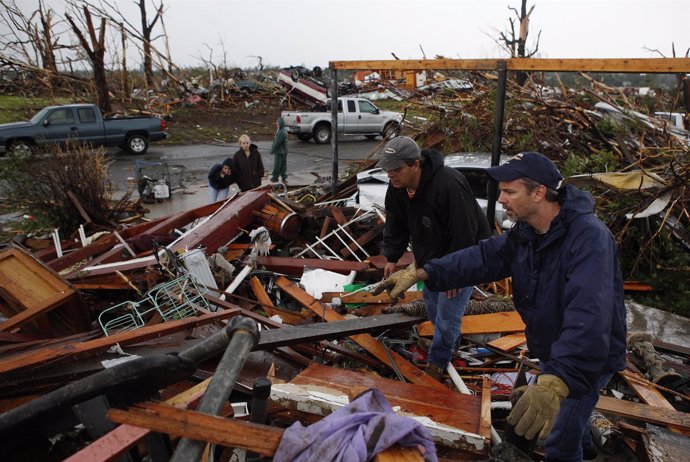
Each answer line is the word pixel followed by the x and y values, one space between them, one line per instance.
pixel 644 412
pixel 633 65
pixel 332 330
pixel 366 341
pixel 261 439
pixel 508 321
pixel 295 266
pixel 118 441
pixel 647 392
pixel 262 297
pixel 44 355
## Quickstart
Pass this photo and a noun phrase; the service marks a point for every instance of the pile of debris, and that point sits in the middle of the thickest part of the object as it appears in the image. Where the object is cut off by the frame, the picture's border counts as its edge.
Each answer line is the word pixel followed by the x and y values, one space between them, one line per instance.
pixel 265 301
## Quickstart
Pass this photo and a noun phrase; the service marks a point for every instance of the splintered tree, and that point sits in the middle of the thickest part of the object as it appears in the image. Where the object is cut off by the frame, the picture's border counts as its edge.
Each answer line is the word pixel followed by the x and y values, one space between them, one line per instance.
pixel 515 42
pixel 95 50
pixel 112 12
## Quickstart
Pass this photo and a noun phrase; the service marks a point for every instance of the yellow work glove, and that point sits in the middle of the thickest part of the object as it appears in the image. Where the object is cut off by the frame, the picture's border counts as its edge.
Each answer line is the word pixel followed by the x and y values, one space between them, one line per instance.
pixel 398 282
pixel 537 406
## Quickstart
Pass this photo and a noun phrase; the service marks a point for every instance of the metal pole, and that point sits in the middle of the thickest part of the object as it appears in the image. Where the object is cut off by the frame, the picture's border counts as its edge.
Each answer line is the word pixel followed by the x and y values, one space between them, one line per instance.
pixel 498 138
pixel 244 334
pixel 334 129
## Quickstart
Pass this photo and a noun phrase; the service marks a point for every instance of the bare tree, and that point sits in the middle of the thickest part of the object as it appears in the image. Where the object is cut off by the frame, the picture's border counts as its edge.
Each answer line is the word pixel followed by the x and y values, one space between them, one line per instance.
pixel 95 50
pixel 29 40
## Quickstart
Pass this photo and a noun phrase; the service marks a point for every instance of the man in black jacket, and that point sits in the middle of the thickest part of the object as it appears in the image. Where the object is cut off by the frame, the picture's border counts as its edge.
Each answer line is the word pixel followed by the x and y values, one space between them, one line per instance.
pixel 431 206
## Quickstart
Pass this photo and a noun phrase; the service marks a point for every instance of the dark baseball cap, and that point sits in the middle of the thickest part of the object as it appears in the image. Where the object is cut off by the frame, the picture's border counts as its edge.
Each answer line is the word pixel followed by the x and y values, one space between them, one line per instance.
pixel 397 151
pixel 531 165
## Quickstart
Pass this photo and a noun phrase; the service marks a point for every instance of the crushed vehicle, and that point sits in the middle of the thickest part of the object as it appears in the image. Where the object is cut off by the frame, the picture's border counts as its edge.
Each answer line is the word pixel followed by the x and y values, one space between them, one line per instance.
pixel 303 84
pixel 81 123
pixel 360 117
pixel 372 184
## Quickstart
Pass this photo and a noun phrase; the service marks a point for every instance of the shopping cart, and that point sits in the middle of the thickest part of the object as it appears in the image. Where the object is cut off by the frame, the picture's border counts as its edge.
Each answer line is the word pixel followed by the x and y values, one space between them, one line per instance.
pixel 156 180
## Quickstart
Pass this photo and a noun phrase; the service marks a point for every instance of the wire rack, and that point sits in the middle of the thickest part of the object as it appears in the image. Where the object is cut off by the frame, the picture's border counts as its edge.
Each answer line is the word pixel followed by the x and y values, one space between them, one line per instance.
pixel 173 175
pixel 170 301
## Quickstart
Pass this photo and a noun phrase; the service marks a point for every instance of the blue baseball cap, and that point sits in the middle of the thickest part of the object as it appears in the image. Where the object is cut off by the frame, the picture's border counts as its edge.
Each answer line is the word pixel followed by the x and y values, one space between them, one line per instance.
pixel 531 165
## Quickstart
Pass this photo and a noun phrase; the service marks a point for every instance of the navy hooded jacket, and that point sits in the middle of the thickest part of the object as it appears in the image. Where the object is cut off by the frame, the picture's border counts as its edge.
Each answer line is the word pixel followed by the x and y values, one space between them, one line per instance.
pixel 567 287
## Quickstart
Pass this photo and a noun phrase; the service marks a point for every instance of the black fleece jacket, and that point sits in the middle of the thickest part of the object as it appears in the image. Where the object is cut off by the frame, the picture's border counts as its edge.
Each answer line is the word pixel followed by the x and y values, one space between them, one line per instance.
pixel 442 217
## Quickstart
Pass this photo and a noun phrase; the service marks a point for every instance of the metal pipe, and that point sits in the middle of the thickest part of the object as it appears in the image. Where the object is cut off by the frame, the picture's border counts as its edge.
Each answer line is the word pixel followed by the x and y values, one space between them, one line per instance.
pixel 498 139
pixel 334 129
pixel 244 335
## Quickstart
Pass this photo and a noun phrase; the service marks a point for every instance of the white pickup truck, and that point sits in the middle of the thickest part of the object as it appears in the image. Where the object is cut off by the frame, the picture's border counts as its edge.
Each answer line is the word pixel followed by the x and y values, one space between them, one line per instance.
pixel 361 117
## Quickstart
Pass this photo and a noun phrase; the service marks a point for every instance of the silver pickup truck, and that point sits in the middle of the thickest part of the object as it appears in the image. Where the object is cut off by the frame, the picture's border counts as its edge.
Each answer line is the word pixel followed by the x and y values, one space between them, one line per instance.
pixel 360 117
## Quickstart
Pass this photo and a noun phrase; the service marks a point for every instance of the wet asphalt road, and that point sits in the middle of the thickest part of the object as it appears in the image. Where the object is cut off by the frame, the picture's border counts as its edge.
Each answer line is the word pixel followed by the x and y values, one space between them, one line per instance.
pixel 198 159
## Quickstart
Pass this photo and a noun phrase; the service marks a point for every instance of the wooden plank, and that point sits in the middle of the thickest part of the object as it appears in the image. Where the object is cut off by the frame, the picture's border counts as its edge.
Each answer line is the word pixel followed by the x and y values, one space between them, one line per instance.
pixel 263 298
pixel 509 321
pixel 644 412
pixel 635 65
pixel 332 330
pixel 509 342
pixel 445 408
pixel 33 289
pixel 261 439
pixel 295 266
pixel 485 416
pixel 648 393
pixel 397 453
pixel 366 341
pixel 369 298
pixel 43 355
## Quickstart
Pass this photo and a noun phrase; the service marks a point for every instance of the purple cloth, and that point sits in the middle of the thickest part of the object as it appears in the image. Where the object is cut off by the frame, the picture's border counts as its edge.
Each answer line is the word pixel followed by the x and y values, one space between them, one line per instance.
pixel 354 433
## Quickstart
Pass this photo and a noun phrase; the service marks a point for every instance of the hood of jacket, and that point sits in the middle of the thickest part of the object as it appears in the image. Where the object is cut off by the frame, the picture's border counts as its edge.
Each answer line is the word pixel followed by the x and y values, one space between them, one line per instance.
pixel 433 160
pixel 281 123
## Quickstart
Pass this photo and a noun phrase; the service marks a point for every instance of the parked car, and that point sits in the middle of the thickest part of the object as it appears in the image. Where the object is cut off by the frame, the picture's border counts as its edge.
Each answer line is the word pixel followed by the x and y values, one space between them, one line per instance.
pixel 361 117
pixel 82 123
pixel 372 184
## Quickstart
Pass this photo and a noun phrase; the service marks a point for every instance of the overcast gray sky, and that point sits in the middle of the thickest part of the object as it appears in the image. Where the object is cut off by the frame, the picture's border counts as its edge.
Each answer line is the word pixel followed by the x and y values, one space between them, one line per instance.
pixel 310 32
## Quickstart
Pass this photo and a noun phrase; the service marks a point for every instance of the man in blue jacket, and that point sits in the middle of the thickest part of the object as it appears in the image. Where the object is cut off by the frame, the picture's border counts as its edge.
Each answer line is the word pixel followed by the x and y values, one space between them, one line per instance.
pixel 433 207
pixel 567 287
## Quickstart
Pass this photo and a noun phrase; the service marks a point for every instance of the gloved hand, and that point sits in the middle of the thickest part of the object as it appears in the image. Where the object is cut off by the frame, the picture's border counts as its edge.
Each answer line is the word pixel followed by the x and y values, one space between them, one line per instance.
pixel 537 406
pixel 398 282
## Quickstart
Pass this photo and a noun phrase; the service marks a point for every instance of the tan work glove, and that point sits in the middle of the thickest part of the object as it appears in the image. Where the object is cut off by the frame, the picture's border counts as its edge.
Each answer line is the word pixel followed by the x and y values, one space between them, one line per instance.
pixel 398 282
pixel 537 406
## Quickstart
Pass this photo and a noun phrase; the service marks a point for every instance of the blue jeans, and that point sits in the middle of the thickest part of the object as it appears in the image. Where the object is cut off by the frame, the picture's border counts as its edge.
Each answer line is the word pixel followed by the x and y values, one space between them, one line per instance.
pixel 446 315
pixel 217 194
pixel 571 430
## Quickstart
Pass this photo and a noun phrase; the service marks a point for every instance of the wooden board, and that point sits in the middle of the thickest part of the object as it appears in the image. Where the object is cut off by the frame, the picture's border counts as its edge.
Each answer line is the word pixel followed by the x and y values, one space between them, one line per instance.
pixel 509 321
pixel 644 412
pixel 443 406
pixel 43 355
pixel 635 65
pixel 366 341
pixel 509 342
pixel 32 290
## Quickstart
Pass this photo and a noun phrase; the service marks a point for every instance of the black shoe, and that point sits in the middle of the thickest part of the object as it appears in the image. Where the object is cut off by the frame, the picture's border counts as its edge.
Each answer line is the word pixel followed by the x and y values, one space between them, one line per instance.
pixel 589 453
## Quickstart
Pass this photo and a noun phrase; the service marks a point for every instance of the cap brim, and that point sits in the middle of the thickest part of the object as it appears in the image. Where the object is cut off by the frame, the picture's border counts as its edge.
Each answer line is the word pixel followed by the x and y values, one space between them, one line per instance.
pixel 390 164
pixel 503 173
